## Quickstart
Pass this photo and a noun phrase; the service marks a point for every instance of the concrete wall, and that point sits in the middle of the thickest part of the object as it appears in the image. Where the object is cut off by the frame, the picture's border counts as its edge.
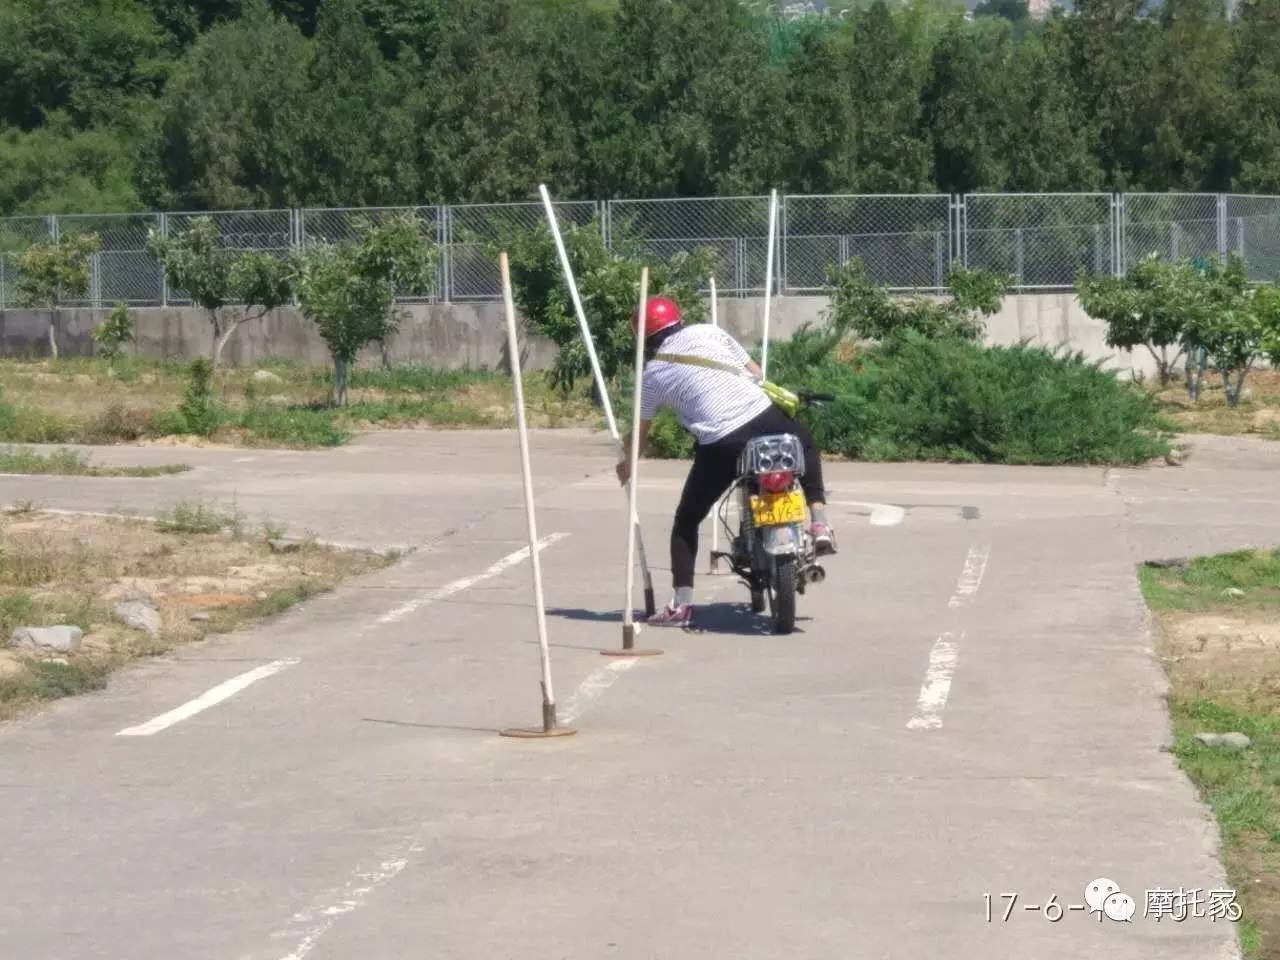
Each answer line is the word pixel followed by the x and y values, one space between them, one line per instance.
pixel 455 335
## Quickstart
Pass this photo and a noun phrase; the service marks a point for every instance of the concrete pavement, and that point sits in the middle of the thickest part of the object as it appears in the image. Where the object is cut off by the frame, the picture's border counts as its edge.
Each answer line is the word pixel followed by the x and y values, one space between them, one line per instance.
pixel 970 707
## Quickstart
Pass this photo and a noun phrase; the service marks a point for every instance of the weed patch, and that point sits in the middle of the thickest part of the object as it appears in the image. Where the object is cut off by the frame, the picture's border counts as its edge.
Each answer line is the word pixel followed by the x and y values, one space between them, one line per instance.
pixel 72 463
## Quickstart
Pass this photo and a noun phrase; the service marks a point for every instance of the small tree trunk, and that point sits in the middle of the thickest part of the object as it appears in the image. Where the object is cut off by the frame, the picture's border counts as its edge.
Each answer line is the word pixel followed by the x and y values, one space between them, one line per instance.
pixel 385 349
pixel 216 322
pixel 1226 386
pixel 340 368
pixel 53 332
pixel 221 342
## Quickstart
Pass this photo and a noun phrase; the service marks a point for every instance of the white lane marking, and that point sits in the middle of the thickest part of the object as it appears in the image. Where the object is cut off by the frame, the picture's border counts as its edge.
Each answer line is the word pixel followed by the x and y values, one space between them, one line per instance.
pixel 351 897
pixel 209 698
pixel 937 684
pixel 975 566
pixel 590 690
pixel 882 514
pixel 457 586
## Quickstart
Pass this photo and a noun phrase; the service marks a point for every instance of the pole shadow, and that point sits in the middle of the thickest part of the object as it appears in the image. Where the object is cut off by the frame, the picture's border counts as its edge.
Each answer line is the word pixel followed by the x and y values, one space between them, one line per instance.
pixel 733 619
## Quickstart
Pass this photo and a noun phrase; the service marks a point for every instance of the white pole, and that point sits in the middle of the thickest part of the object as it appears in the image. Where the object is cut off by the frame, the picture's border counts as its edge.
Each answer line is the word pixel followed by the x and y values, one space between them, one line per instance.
pixel 768 279
pixel 513 343
pixel 633 486
pixel 715 511
pixel 649 603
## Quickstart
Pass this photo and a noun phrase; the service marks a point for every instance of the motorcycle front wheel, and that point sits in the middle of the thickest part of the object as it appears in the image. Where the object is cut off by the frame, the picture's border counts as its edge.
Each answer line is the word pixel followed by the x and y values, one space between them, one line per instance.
pixel 782 595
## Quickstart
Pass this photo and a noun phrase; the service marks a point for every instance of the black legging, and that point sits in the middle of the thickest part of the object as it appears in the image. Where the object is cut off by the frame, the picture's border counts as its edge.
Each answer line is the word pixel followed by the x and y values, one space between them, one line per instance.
pixel 715 466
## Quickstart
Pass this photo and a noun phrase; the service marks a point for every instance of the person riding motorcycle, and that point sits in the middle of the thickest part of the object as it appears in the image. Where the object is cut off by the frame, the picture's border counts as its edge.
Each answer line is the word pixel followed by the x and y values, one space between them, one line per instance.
pixel 723 409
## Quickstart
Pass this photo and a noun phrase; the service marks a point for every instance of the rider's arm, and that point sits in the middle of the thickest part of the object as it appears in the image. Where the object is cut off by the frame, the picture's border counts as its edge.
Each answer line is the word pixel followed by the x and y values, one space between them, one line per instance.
pixel 753 368
pixel 624 465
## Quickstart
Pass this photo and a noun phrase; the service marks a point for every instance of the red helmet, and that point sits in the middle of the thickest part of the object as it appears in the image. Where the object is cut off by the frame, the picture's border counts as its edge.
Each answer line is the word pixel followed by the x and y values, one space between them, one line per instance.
pixel 660 313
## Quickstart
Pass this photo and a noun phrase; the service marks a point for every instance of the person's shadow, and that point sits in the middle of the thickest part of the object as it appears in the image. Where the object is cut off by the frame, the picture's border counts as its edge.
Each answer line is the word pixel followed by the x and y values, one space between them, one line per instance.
pixel 720 618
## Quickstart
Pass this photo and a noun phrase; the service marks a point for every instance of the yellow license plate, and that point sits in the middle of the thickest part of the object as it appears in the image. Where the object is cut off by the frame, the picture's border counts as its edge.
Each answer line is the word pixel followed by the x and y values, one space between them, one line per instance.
pixel 775 509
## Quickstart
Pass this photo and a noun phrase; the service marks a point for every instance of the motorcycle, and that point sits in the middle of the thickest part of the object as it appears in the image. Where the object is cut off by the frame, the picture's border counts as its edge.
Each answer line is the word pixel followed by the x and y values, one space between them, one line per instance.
pixel 772 551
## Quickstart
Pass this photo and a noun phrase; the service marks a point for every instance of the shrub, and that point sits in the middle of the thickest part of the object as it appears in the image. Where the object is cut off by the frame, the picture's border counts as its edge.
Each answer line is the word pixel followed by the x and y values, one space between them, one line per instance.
pixel 112 334
pixel 916 398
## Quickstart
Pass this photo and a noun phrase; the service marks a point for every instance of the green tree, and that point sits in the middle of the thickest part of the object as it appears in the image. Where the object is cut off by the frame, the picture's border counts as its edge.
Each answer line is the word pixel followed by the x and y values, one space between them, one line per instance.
pixel 866 310
pixel 59 169
pixel 1256 69
pixel 53 272
pixel 356 144
pixel 969 104
pixel 699 117
pixel 348 289
pixel 1112 53
pixel 1152 306
pixel 855 119
pixel 1192 145
pixel 1235 326
pixel 88 58
pixel 228 135
pixel 608 282
pixel 216 278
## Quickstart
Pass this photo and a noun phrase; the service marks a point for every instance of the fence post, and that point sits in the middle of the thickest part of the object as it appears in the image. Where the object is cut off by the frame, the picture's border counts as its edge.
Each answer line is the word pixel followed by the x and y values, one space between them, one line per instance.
pixel 1019 255
pixel 444 243
pixel 1118 234
pixel 1097 248
pixel 782 250
pixel 938 269
pixel 4 287
pixel 1240 238
pixel 164 278
pixel 1222 225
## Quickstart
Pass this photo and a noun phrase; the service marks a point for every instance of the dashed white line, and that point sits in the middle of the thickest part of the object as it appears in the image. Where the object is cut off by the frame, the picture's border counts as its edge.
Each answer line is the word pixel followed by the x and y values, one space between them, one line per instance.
pixel 457 586
pixel 946 649
pixel 316 923
pixel 975 566
pixel 210 698
pixel 937 684
pixel 591 689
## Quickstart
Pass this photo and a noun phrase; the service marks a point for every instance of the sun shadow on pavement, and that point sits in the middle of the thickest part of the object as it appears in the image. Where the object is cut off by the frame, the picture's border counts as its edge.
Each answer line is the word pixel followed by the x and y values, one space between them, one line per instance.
pixel 428 726
pixel 718 618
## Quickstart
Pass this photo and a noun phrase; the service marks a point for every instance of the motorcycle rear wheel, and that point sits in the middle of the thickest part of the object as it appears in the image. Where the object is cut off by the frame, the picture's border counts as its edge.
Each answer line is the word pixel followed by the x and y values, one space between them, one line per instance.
pixel 782 595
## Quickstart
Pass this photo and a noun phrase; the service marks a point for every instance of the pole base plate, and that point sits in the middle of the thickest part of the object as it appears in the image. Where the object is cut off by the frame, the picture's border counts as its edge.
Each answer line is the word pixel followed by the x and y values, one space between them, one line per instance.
pixel 634 652
pixel 536 733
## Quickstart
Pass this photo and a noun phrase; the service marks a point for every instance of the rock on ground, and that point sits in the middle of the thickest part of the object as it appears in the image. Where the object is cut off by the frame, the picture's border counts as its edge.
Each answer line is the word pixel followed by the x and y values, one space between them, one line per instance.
pixel 63 639
pixel 265 377
pixel 139 615
pixel 284 546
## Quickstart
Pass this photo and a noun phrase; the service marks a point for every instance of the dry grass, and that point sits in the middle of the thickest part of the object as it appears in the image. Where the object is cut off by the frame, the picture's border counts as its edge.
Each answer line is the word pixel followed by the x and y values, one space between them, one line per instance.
pixel 1258 415
pixel 58 569
pixel 77 399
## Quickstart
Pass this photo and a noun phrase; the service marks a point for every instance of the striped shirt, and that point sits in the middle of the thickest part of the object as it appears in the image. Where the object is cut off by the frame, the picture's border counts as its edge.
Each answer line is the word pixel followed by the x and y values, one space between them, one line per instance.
pixel 709 403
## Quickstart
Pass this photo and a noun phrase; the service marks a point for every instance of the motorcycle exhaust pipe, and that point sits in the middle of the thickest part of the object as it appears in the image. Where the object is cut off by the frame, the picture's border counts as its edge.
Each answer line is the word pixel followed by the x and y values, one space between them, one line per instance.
pixel 815 574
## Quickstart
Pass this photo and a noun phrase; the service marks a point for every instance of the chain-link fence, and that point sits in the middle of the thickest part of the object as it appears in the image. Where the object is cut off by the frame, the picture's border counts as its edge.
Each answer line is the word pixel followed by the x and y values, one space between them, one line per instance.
pixel 1174 226
pixel 1252 228
pixel 474 231
pixel 121 271
pixel 906 242
pixel 336 224
pixel 733 230
pixel 1042 241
